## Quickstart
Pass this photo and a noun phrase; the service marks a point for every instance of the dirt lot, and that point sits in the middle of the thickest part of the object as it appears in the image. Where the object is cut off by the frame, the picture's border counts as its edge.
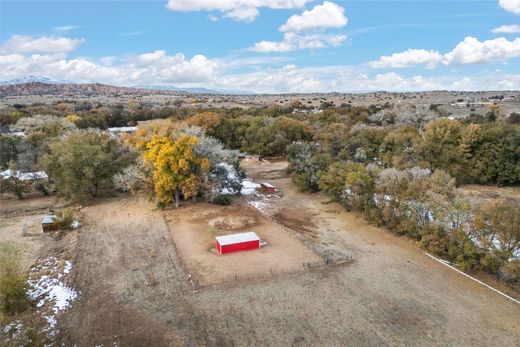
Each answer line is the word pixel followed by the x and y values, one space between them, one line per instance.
pixel 194 228
pixel 134 292
pixel 17 215
pixel 488 194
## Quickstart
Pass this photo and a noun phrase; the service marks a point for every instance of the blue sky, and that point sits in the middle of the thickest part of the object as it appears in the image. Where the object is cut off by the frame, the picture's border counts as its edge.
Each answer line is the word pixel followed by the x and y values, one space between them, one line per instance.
pixel 266 45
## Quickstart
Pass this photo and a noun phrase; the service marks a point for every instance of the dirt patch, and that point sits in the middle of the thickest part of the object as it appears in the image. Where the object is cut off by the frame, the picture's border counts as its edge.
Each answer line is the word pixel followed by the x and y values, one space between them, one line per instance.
pixel 479 195
pixel 30 242
pixel 32 204
pixel 232 222
pixel 195 242
pixel 272 174
pixel 296 220
pixel 264 170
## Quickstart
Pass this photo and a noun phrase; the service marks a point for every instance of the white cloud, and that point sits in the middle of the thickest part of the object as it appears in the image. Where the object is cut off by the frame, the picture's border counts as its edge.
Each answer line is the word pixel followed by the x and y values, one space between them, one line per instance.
pixel 242 10
pixel 472 51
pixel 65 28
pixel 312 22
pixel 410 57
pixel 293 42
pixel 507 29
pixel 161 68
pixel 324 16
pixel 290 79
pixel 271 46
pixel 153 56
pixel 44 44
pixel 510 5
pixel 18 59
pixel 469 51
pixel 244 14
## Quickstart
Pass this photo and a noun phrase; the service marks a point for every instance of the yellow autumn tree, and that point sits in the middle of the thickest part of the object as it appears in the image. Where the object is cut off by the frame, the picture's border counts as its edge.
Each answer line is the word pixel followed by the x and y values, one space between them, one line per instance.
pixel 176 167
pixel 147 130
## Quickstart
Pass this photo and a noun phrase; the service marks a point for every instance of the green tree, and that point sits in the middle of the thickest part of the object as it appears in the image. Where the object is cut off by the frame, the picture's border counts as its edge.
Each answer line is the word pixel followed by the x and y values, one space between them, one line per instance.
pixel 440 147
pixel 13 281
pixel 13 184
pixel 8 149
pixel 398 148
pixel 497 155
pixel 349 183
pixel 305 163
pixel 84 162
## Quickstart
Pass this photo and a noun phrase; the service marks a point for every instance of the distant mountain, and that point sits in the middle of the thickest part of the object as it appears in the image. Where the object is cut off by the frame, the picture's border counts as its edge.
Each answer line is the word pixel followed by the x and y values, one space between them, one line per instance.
pixel 34 79
pixel 43 85
pixel 178 89
pixel 41 88
pixel 197 90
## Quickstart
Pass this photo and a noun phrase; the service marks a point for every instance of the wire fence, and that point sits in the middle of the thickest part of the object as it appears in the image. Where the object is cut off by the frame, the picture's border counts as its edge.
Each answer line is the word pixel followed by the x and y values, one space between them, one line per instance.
pixel 263 275
pixel 326 260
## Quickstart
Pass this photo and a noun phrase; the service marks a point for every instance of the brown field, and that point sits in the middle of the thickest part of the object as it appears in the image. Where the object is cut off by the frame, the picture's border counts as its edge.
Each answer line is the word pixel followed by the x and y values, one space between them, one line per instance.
pixel 194 237
pixel 134 291
pixel 478 195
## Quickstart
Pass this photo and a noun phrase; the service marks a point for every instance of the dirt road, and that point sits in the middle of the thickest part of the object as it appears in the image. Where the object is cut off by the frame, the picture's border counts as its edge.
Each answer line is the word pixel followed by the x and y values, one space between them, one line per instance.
pixel 134 293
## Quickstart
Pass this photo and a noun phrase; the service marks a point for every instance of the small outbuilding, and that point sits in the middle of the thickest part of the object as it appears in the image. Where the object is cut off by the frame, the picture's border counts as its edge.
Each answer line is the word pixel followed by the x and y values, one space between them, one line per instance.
pixel 267 188
pixel 48 223
pixel 237 242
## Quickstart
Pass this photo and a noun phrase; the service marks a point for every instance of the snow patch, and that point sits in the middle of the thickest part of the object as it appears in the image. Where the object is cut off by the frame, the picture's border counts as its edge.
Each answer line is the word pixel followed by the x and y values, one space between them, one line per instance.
pixel 46 286
pixel 249 187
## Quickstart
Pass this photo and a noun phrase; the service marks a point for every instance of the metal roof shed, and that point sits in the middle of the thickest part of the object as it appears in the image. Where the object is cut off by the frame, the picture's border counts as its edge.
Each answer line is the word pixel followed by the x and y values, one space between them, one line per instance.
pixel 237 242
pixel 48 223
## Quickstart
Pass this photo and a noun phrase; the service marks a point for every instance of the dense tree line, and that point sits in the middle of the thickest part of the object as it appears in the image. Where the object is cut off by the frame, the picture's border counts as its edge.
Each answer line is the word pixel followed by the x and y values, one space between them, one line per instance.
pixel 399 171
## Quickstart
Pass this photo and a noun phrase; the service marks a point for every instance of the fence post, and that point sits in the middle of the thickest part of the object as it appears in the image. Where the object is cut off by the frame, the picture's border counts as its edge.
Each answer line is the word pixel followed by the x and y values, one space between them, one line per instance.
pixel 236 277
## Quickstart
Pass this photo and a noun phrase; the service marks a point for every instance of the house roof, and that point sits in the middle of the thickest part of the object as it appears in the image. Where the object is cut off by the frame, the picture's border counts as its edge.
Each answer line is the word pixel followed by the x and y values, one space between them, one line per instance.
pixel 24 176
pixel 237 238
pixel 122 129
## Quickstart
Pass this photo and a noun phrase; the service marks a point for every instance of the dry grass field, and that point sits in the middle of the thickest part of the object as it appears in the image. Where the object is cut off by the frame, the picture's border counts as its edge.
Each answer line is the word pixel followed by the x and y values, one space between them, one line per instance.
pixel 133 290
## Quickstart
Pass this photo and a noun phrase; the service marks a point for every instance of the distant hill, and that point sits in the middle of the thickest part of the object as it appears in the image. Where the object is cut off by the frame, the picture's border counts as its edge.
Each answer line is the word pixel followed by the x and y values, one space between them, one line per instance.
pixel 33 79
pixel 198 90
pixel 34 85
pixel 41 88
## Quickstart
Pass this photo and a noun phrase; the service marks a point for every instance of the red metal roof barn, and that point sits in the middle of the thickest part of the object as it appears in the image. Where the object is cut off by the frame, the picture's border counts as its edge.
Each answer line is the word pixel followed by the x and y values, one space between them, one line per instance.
pixel 237 242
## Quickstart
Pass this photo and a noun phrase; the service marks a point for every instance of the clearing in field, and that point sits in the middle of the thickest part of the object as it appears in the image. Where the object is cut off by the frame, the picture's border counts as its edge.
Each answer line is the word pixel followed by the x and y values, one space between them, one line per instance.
pixel 194 228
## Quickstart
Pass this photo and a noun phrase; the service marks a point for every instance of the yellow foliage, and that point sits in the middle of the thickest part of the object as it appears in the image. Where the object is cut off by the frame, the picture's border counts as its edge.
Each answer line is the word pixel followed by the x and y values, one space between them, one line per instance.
pixel 147 130
pixel 176 167
pixel 73 118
